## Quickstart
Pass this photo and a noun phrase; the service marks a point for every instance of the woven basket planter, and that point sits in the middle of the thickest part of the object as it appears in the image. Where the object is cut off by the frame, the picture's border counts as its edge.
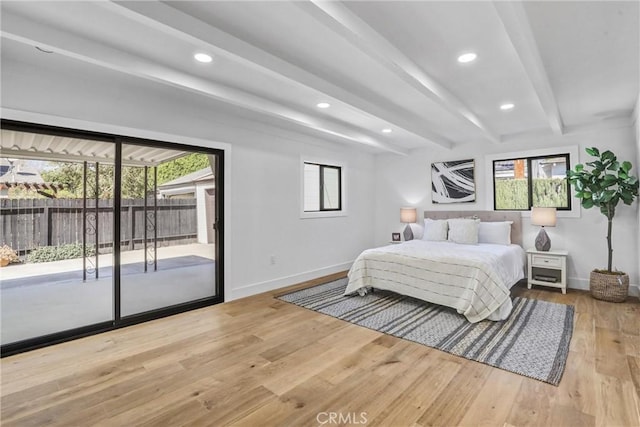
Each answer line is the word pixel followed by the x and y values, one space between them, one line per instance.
pixel 609 287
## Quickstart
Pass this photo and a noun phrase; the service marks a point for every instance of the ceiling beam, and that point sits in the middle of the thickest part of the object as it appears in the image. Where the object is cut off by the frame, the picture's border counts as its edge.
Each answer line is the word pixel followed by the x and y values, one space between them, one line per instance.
pixel 31 33
pixel 176 23
pixel 339 18
pixel 518 28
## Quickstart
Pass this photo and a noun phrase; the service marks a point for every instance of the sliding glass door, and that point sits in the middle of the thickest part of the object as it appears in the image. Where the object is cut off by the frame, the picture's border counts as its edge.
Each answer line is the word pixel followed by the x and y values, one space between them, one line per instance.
pixel 167 234
pixel 56 236
pixel 99 232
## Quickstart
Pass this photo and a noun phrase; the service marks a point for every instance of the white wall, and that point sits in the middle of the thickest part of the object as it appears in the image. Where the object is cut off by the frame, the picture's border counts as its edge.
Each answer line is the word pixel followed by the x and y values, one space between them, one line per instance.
pixel 266 215
pixel 261 169
pixel 406 181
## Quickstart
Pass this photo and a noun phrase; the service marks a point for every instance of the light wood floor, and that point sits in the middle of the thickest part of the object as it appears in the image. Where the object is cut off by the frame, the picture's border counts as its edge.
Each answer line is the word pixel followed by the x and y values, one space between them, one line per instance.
pixel 262 362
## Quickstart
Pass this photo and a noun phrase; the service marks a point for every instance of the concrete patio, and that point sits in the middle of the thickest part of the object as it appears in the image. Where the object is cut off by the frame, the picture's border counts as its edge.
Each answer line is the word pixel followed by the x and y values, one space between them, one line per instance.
pixel 43 298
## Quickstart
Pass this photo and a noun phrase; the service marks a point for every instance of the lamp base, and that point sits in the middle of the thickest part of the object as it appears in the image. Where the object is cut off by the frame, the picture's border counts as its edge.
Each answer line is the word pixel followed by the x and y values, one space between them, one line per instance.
pixel 543 243
pixel 408 233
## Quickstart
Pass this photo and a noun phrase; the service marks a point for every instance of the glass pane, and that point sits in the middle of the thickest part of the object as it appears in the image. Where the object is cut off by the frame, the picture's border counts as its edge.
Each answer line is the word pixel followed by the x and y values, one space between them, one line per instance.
pixel 57 235
pixel 510 178
pixel 167 234
pixel 549 182
pixel 311 188
pixel 331 196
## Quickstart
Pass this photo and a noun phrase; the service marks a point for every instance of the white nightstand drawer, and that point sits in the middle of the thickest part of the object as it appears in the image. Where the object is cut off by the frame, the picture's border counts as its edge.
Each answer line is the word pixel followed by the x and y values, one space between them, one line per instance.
pixel 550 261
pixel 547 268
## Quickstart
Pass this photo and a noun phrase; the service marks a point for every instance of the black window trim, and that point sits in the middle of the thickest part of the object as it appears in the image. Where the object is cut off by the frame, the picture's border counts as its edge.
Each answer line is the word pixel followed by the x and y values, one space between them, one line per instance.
pixel 529 160
pixel 322 168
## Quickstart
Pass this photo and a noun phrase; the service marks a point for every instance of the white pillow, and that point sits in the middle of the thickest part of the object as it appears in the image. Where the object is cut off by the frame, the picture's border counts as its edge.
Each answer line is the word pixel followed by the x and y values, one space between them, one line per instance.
pixel 435 230
pixel 465 231
pixel 498 233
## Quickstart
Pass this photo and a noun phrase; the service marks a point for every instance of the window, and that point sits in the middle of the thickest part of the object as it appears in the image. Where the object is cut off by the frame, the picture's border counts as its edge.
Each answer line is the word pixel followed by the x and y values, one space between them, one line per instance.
pixel 322 187
pixel 520 184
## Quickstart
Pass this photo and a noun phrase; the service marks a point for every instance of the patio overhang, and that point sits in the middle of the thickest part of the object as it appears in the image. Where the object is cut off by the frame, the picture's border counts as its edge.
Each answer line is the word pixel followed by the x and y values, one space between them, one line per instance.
pixel 38 146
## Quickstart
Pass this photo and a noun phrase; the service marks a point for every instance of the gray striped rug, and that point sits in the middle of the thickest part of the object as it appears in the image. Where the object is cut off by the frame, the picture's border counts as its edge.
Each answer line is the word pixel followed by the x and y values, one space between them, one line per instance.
pixel 533 341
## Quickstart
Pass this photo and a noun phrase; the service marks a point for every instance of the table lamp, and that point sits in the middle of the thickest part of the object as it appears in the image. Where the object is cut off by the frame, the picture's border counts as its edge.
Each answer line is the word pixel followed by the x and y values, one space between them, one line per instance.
pixel 544 217
pixel 408 216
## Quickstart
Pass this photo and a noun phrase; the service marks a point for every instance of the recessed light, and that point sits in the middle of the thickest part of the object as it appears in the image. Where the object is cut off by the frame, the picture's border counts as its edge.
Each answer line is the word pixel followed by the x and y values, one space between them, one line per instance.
pixel 507 106
pixel 323 105
pixel 467 57
pixel 203 57
pixel 386 130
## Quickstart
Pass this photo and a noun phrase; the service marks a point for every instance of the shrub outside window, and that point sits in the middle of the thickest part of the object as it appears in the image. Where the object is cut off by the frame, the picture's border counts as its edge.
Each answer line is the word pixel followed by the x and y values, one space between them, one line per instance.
pixel 522 183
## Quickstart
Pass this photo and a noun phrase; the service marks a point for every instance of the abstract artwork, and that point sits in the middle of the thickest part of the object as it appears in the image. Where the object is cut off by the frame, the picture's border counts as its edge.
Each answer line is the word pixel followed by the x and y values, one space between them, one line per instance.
pixel 453 182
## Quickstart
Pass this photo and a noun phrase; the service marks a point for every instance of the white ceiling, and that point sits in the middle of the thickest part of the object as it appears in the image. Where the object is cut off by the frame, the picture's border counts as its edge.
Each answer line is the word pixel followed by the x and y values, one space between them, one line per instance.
pixel 379 64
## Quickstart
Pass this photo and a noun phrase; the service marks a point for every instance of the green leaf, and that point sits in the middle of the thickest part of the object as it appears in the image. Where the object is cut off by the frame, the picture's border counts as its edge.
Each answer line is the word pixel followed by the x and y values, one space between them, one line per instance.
pixel 626 166
pixel 593 151
pixel 608 155
pixel 579 185
pixel 613 166
pixel 579 167
pixel 608 195
pixel 587 203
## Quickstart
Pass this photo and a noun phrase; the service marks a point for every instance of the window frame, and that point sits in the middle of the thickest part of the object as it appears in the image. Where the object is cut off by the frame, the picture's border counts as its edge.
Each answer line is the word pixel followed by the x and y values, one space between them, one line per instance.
pixel 529 160
pixel 342 203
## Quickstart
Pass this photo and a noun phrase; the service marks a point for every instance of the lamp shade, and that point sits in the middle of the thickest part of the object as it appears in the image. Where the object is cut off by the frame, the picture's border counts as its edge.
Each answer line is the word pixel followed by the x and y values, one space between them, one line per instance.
pixel 545 217
pixel 408 215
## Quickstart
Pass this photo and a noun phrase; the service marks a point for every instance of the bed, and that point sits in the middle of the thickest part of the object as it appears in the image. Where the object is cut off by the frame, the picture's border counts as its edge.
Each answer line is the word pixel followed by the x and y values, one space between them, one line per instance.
pixel 474 279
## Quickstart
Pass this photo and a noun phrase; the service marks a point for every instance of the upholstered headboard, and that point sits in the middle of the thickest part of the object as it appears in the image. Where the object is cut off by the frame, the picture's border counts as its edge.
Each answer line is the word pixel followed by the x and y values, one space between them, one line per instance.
pixel 489 216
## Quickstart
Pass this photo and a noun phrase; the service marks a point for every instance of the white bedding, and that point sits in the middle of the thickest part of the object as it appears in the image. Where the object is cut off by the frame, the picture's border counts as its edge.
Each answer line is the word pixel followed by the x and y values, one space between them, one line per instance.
pixel 473 279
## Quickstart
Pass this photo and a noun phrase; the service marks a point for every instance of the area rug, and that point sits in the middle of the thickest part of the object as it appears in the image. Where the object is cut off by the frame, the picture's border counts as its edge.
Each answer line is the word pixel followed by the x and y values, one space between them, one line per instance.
pixel 533 341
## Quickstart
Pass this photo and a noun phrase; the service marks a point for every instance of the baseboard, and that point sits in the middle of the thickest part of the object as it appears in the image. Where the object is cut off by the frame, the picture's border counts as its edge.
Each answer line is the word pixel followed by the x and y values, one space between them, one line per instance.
pixel 281 282
pixel 583 284
pixel 578 283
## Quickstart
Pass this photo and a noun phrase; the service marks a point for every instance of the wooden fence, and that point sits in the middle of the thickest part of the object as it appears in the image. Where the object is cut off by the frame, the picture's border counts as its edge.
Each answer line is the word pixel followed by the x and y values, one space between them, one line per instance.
pixel 27 224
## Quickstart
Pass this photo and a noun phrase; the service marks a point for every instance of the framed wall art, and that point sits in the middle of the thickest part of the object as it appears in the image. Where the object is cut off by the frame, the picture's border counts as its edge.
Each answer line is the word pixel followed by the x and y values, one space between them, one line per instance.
pixel 453 182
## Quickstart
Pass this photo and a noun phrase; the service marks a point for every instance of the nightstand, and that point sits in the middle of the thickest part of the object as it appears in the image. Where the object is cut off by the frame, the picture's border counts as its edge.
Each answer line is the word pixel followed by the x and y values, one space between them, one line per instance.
pixel 547 268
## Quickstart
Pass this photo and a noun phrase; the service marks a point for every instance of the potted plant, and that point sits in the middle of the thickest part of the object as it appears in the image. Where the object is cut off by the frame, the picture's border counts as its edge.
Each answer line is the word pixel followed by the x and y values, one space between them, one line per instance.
pixel 603 186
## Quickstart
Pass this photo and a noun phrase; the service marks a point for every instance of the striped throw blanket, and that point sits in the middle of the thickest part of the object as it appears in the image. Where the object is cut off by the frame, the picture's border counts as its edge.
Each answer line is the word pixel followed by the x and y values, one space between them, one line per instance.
pixel 473 279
